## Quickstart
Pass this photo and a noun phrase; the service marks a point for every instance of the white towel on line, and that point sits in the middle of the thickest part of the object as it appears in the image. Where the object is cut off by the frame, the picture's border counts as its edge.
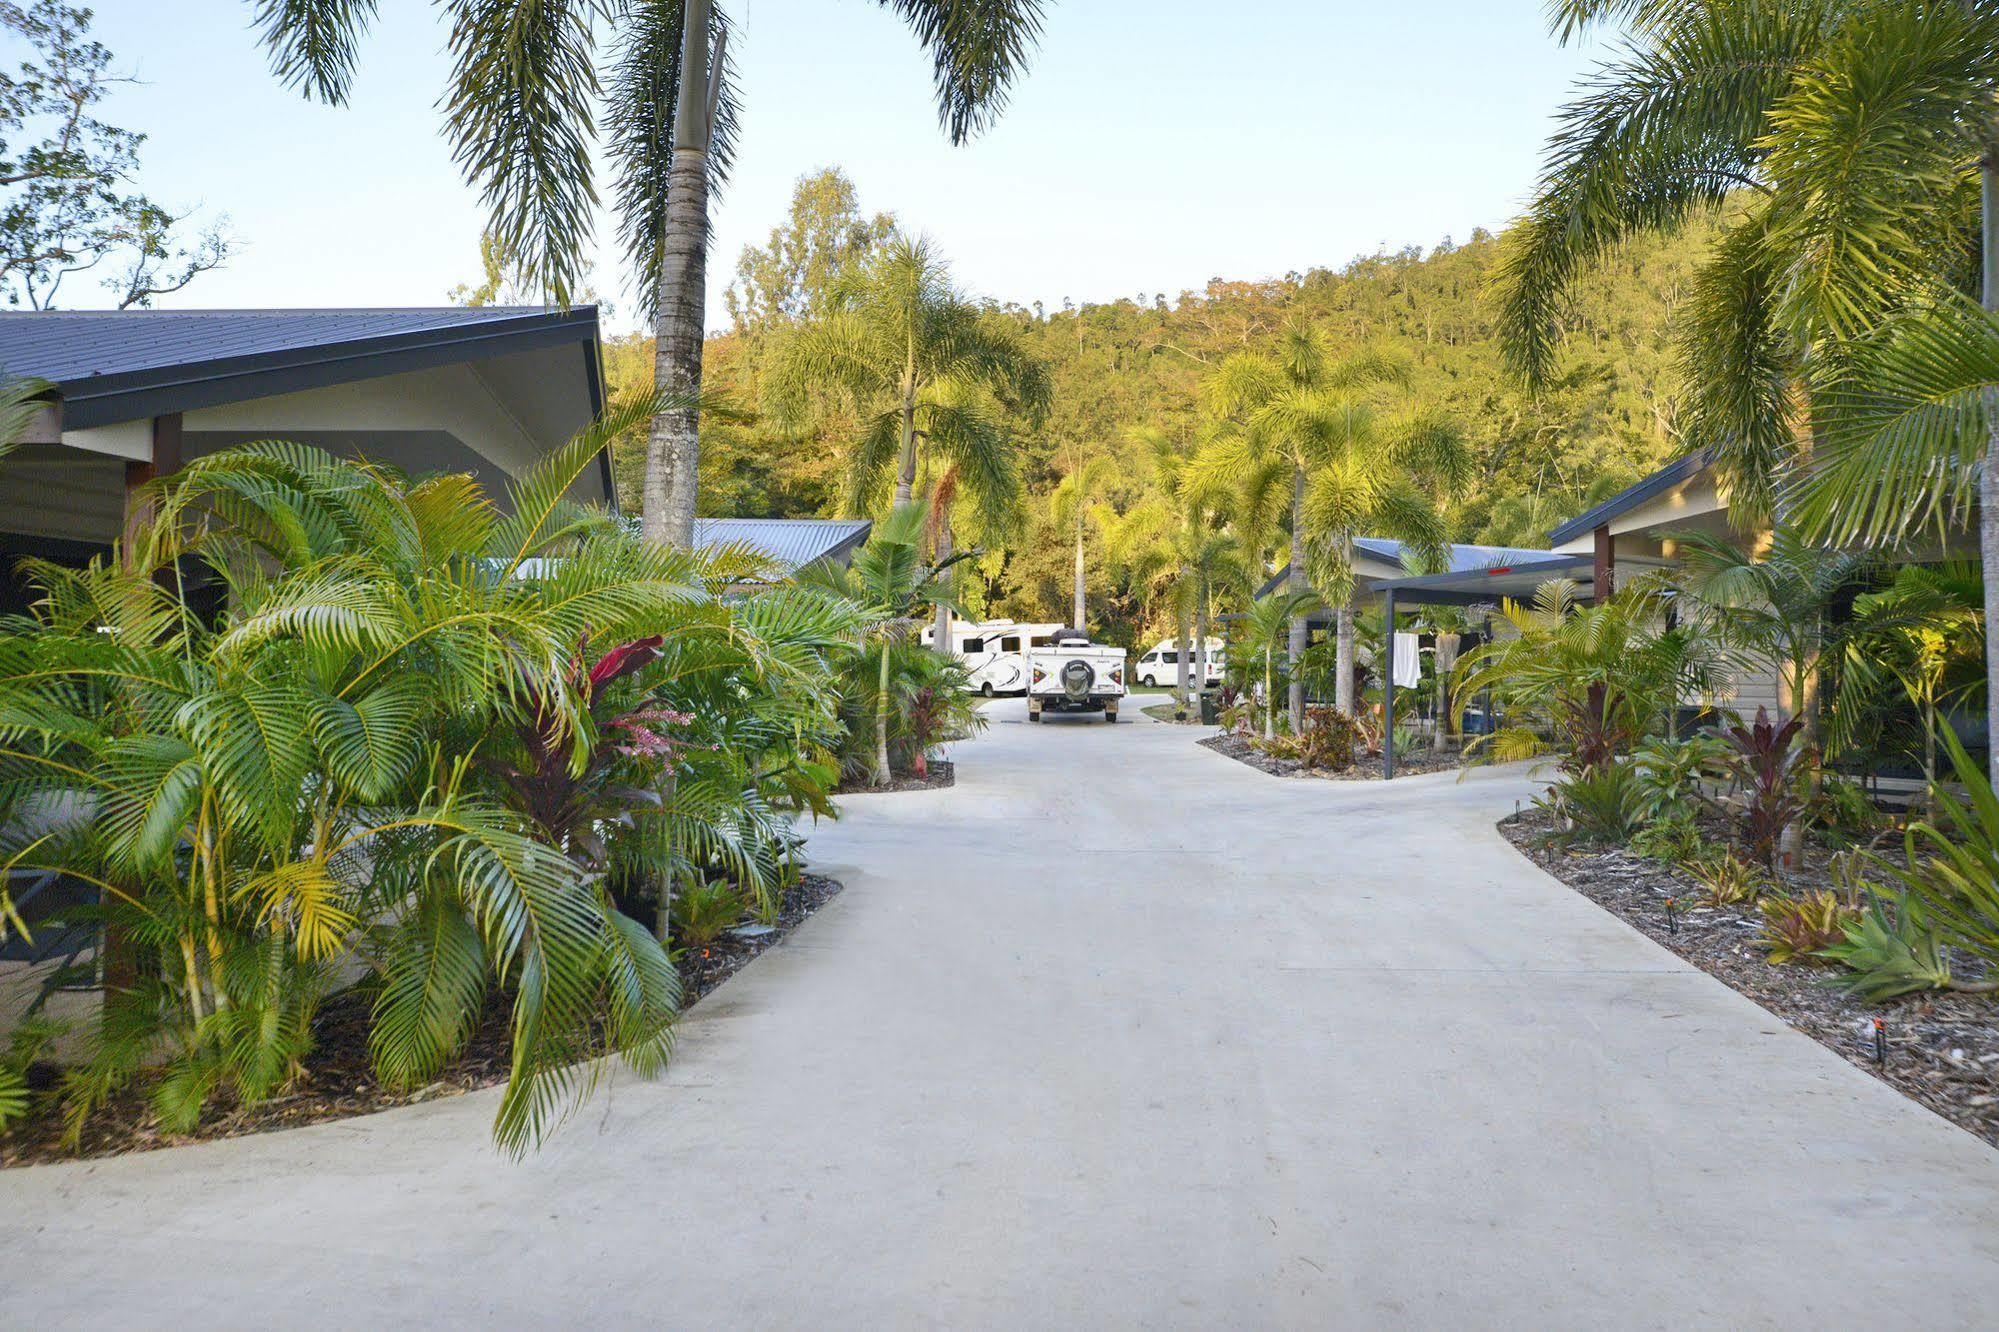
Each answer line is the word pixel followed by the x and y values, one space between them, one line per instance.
pixel 1408 666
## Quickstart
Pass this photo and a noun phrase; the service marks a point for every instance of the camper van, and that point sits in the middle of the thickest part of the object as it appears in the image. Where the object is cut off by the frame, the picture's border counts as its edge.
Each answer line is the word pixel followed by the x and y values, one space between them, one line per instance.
pixel 995 651
pixel 1159 668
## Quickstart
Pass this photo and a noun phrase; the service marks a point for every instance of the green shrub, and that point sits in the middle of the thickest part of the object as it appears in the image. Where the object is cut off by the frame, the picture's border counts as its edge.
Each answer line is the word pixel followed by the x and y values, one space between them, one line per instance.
pixel 700 914
pixel 1676 840
pixel 1671 773
pixel 1328 739
pixel 1950 862
pixel 1803 928
pixel 1599 805
pixel 1727 877
pixel 1890 950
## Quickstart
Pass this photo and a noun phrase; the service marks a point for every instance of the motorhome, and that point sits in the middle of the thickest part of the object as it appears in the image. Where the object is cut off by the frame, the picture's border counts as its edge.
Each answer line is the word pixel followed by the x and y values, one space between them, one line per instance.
pixel 995 651
pixel 1159 667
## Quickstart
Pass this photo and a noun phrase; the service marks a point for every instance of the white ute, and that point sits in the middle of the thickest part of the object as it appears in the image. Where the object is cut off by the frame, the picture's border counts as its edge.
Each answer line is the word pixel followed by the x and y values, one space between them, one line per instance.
pixel 1074 675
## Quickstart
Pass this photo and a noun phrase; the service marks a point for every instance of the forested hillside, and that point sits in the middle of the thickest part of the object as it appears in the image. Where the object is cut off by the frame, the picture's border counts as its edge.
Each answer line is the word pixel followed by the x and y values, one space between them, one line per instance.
pixel 1135 367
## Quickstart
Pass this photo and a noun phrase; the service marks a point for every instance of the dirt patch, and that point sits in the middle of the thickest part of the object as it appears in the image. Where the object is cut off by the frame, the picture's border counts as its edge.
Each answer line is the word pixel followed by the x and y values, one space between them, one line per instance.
pixel 1164 712
pixel 1237 746
pixel 942 773
pixel 339 1083
pixel 1941 1049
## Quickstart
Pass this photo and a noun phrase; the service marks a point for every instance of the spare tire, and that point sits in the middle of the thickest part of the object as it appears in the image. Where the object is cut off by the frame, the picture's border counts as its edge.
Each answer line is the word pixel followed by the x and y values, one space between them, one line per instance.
pixel 1077 677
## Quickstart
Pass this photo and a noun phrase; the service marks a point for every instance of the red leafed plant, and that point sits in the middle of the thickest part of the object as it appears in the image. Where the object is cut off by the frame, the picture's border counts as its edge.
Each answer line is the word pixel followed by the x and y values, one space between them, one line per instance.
pixel 542 778
pixel 1771 768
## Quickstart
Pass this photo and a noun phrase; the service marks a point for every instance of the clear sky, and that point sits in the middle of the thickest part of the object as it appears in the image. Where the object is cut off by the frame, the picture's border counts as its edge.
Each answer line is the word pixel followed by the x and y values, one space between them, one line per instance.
pixel 1156 144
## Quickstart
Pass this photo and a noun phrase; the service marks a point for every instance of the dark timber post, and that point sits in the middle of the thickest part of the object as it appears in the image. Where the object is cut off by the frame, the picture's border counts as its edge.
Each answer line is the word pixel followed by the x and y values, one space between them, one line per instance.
pixel 1604 573
pixel 1388 689
pixel 118 963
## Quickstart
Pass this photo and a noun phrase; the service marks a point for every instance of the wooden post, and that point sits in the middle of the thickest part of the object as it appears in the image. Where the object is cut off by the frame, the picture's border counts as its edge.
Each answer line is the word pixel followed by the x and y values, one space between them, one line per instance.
pixel 119 965
pixel 1388 689
pixel 1604 572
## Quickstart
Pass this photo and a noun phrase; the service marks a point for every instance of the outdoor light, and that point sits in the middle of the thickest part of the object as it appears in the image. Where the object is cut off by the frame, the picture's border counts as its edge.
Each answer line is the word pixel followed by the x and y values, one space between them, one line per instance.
pixel 1880 1042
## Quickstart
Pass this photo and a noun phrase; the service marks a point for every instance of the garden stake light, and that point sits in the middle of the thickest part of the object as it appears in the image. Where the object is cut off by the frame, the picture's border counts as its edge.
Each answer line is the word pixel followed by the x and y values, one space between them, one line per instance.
pixel 1880 1042
pixel 1672 918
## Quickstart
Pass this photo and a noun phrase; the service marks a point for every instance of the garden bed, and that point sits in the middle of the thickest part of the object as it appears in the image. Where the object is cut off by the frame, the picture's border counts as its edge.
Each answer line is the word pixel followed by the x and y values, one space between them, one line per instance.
pixel 1163 712
pixel 1237 746
pixel 942 773
pixel 339 1082
pixel 1942 1048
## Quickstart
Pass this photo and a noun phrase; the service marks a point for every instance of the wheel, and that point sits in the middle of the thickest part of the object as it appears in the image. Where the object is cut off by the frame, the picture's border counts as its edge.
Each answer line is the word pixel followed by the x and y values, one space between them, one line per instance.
pixel 1034 716
pixel 1110 715
pixel 987 689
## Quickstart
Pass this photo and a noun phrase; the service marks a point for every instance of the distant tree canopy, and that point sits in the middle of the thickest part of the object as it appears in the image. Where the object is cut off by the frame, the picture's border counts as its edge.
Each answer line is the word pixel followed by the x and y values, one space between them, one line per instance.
pixel 1612 413
pixel 67 202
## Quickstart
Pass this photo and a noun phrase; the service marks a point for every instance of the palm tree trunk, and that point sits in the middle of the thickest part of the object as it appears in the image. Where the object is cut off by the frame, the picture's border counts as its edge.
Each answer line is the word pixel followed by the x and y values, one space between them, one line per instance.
pixel 905 471
pixel 1296 583
pixel 881 716
pixel 943 622
pixel 1988 481
pixel 1081 609
pixel 673 449
pixel 663 922
pixel 1201 641
pixel 1182 614
pixel 1269 691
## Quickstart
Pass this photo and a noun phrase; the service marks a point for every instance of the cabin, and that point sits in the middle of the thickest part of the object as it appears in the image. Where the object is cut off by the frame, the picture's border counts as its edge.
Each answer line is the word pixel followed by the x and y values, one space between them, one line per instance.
pixel 134 394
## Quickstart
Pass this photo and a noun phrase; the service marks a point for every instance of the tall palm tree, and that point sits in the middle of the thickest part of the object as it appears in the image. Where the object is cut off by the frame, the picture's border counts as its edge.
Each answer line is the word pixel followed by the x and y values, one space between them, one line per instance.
pixel 891 581
pixel 935 382
pixel 1075 504
pixel 1847 145
pixel 521 109
pixel 1292 411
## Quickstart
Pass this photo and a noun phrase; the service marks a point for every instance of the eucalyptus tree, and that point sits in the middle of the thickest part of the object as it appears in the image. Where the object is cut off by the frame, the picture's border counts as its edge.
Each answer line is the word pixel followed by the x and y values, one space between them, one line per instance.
pixel 1846 146
pixel 521 111
pixel 935 381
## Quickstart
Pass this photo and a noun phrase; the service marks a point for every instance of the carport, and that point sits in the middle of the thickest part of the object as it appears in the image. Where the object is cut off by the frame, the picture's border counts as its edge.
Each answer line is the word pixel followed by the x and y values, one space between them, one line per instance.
pixel 1489 586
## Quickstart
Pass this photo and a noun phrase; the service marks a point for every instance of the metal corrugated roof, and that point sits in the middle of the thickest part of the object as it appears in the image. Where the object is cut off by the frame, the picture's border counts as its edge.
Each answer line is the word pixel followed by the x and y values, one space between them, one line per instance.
pixel 1464 558
pixel 110 365
pixel 792 542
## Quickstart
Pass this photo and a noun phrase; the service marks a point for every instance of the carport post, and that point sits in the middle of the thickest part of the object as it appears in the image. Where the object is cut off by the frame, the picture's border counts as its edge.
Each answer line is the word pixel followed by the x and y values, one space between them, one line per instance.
pixel 1388 689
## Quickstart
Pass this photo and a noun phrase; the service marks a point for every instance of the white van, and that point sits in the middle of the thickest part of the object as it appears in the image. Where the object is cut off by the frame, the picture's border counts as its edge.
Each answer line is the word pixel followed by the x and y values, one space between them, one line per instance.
pixel 995 651
pixel 1160 667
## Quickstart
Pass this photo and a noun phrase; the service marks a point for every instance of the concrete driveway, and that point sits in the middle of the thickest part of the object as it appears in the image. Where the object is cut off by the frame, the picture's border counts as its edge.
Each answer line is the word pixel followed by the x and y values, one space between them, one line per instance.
pixel 1115 1033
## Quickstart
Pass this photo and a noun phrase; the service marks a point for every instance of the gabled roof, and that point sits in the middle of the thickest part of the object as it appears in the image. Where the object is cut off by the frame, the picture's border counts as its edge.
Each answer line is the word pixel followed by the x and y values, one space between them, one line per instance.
pixel 122 365
pixel 1464 558
pixel 792 542
pixel 1672 474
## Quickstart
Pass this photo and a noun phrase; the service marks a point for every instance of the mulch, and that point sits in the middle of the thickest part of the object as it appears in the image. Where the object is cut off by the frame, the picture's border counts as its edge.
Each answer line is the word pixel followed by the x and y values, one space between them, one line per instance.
pixel 339 1083
pixel 1942 1049
pixel 1235 745
pixel 943 773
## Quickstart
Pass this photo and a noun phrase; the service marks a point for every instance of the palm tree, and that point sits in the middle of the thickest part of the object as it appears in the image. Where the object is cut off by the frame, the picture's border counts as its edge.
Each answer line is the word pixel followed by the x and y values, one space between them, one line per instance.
pixel 1922 633
pixel 934 380
pixel 891 581
pixel 1302 414
pixel 1833 326
pixel 1074 504
pixel 412 743
pixel 1268 621
pixel 519 113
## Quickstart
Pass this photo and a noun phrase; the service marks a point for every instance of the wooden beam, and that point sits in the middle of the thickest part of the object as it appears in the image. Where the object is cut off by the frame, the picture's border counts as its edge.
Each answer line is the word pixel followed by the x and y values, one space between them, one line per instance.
pixel 1604 571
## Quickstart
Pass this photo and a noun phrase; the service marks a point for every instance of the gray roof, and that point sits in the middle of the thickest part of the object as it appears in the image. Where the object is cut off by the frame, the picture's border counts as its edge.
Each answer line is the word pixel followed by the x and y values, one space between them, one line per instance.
pixel 112 365
pixel 792 542
pixel 1464 558
pixel 1672 474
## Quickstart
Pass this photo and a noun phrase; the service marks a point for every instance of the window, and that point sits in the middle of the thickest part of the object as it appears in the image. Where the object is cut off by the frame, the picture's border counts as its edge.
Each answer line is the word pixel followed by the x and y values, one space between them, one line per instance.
pixel 1040 640
pixel 975 645
pixel 1148 658
pixel 1169 659
pixel 1011 643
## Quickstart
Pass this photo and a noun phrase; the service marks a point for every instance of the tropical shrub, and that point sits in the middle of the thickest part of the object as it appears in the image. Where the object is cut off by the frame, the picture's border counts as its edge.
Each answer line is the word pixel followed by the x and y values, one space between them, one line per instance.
pixel 1950 862
pixel 1803 928
pixel 1589 681
pixel 1598 805
pixel 1889 950
pixel 1772 771
pixel 1671 774
pixel 1726 877
pixel 703 911
pixel 1674 839
pixel 394 750
pixel 1328 739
